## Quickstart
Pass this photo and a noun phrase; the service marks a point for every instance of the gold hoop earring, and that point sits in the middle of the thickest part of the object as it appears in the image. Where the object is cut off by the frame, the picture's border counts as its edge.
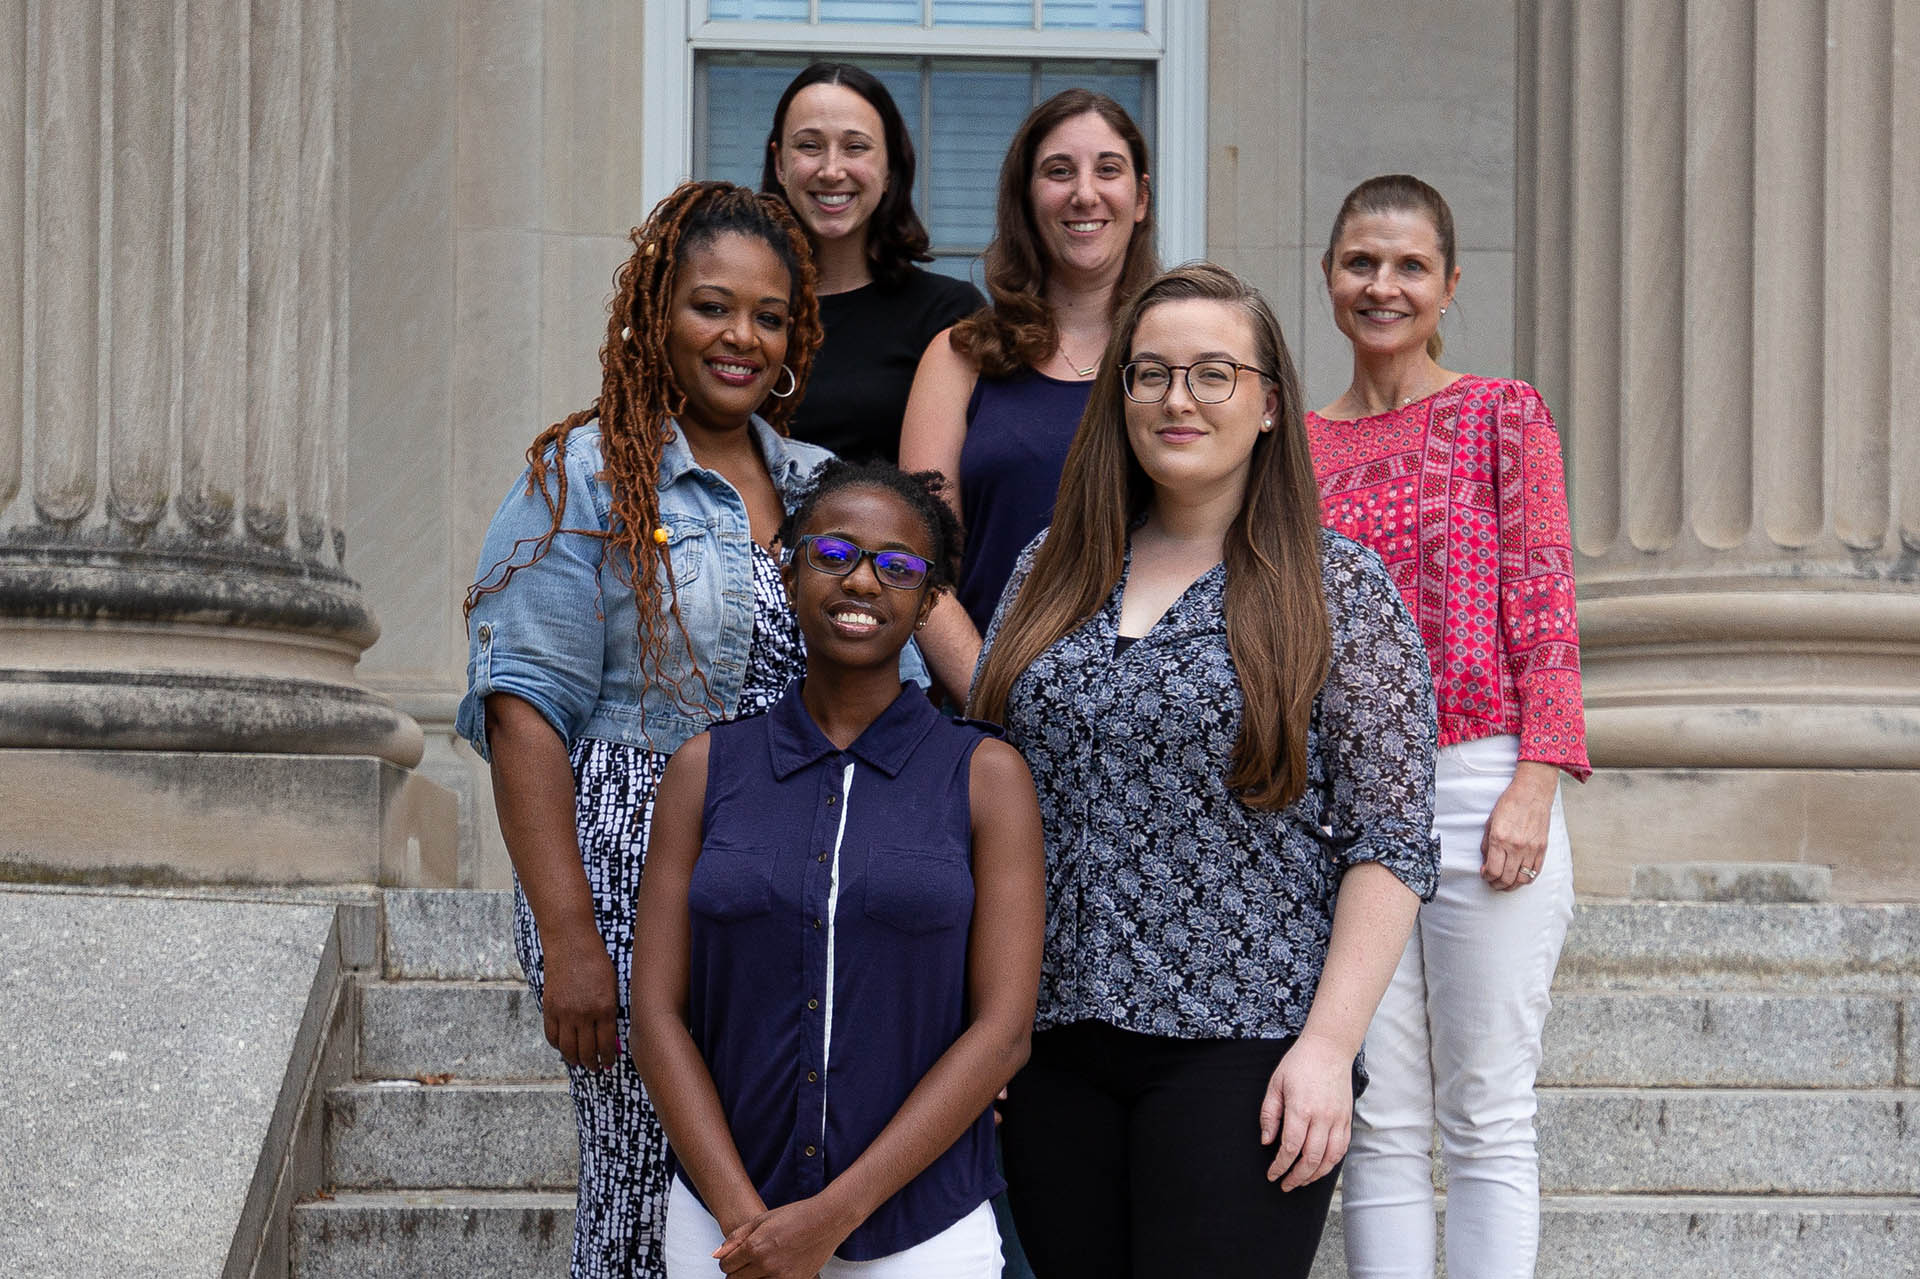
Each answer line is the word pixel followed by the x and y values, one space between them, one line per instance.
pixel 793 384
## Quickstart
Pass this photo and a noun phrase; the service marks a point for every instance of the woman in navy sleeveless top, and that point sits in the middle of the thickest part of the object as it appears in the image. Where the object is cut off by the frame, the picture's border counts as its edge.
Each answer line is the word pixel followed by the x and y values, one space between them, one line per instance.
pixel 997 397
pixel 839 933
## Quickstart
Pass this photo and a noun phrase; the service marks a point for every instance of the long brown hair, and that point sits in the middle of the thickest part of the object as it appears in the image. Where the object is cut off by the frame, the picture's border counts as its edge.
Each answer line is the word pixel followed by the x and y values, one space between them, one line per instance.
pixel 1276 612
pixel 1018 329
pixel 639 395
pixel 1397 193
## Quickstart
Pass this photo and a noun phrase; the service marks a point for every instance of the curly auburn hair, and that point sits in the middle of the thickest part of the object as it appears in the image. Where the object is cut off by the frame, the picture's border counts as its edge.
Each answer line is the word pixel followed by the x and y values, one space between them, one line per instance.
pixel 640 397
pixel 1018 328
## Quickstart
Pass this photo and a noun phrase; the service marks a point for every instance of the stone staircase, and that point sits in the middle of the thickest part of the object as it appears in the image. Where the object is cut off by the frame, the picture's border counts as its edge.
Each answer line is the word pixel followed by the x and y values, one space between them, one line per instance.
pixel 1729 1091
pixel 451 1152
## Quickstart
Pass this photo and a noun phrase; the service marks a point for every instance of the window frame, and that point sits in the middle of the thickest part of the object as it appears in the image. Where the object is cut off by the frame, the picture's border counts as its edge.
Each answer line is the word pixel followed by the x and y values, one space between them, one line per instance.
pixel 1175 41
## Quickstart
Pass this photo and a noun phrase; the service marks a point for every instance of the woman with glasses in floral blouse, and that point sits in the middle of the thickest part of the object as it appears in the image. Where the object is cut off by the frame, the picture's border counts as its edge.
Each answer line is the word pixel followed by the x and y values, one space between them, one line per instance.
pixel 1229 720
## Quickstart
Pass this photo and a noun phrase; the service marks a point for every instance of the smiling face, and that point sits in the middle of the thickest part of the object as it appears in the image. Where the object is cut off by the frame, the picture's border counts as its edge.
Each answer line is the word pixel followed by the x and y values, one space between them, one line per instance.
pixel 1085 196
pixel 1185 446
pixel 727 329
pixel 856 621
pixel 831 160
pixel 1388 280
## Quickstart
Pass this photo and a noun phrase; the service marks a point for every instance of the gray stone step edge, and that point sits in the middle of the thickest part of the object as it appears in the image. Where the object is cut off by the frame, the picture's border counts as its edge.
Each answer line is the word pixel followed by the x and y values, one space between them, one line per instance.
pixel 1592 1140
pixel 508 1234
pixel 1705 1237
pixel 466 933
pixel 467 1029
pixel 477 1234
pixel 1818 1141
pixel 449 935
pixel 1730 1039
pixel 1871 946
pixel 1594 1038
pixel 467 1135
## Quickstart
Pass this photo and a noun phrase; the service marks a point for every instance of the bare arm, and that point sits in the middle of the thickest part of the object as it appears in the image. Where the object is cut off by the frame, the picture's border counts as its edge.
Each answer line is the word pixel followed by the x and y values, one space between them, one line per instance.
pixel 1003 979
pixel 932 434
pixel 533 795
pixel 1309 1102
pixel 670 1064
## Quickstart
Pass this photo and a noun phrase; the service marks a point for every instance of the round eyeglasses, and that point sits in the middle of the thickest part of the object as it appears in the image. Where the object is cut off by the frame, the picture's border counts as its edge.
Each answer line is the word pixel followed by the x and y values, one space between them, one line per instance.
pixel 837 557
pixel 1208 381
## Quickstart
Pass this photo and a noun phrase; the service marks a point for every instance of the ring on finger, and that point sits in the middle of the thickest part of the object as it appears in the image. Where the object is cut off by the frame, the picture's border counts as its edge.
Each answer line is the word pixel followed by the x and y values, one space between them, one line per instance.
pixel 1530 873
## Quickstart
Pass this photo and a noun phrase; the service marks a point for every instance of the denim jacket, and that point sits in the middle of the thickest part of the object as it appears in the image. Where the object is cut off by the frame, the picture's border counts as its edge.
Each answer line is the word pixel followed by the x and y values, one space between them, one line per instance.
pixel 563 635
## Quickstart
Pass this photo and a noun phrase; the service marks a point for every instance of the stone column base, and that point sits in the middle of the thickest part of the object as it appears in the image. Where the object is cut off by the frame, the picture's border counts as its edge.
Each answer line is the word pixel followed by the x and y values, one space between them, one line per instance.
pixel 1859 822
pixel 158 817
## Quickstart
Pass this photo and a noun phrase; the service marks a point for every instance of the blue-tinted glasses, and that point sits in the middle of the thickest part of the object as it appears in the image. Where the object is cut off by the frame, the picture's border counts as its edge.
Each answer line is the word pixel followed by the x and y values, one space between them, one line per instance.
pixel 837 557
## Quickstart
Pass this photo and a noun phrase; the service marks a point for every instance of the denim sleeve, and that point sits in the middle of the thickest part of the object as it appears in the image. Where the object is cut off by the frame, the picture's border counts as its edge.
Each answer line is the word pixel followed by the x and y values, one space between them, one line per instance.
pixel 542 636
pixel 1375 723
pixel 913 667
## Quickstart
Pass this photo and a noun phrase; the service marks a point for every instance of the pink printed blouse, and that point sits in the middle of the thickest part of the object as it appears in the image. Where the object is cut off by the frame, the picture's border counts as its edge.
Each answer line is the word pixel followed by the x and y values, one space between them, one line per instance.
pixel 1462 494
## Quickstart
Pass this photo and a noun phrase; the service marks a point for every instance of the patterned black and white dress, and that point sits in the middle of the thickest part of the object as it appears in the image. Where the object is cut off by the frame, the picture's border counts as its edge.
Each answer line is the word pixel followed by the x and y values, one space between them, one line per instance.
pixel 623 1152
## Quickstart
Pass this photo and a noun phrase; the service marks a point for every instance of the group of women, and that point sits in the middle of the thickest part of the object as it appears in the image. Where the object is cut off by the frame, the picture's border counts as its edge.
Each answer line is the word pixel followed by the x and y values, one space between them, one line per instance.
pixel 1160 888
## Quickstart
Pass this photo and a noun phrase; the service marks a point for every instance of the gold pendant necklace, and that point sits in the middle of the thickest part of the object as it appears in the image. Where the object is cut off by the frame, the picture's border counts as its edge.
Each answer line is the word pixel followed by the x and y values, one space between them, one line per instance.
pixel 1067 360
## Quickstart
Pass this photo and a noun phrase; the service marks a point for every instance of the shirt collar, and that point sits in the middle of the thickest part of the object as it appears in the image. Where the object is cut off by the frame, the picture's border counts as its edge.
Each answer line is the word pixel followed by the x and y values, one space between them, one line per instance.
pixel 795 741
pixel 786 469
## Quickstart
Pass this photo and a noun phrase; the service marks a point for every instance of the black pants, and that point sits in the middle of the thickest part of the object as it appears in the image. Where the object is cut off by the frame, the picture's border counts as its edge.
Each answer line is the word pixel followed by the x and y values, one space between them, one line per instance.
pixel 1131 1156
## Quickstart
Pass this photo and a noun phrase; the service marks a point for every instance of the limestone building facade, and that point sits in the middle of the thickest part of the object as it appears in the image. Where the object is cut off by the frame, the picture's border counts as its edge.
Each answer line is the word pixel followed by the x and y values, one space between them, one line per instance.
pixel 291 284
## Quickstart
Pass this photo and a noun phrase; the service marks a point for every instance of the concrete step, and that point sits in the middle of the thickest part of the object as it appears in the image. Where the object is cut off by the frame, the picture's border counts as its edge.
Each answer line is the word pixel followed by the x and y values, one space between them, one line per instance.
pixel 1728 946
pixel 450 935
pixel 1729 1141
pixel 1708 1237
pixel 471 1029
pixel 1701 1039
pixel 474 1234
pixel 489 1136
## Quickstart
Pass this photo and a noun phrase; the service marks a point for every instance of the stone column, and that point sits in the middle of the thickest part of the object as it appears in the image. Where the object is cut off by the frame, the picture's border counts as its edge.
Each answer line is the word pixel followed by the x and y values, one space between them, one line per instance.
pixel 178 633
pixel 1721 307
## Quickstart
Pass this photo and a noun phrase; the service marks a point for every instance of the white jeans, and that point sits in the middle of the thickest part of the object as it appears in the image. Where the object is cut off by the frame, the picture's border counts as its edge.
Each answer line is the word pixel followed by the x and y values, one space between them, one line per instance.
pixel 968 1249
pixel 1457 1040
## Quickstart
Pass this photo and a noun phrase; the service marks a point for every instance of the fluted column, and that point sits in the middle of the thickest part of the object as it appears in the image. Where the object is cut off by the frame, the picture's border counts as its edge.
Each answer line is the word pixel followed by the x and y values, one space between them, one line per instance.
pixel 1724 319
pixel 172 202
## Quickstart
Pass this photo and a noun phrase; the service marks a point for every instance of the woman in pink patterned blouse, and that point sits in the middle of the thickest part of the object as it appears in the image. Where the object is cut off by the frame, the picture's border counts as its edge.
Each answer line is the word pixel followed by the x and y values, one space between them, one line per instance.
pixel 1455 480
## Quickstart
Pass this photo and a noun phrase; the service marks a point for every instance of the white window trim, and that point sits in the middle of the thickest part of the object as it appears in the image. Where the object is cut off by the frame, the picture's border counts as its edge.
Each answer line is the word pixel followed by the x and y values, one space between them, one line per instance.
pixel 1180 85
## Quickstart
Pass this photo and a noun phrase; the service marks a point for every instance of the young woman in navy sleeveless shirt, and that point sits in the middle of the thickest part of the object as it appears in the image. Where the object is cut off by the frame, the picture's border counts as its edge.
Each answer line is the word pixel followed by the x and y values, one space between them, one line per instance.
pixel 838 933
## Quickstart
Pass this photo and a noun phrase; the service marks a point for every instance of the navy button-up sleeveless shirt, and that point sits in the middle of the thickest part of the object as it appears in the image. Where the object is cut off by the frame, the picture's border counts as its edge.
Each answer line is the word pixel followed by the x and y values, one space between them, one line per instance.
pixel 831 908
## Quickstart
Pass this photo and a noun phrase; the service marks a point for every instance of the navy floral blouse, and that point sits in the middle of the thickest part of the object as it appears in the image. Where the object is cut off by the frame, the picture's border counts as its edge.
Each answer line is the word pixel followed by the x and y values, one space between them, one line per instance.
pixel 1173 908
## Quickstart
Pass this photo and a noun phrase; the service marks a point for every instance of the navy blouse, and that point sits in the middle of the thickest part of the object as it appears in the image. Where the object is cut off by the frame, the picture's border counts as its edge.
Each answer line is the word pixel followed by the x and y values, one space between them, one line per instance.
pixel 1019 428
pixel 831 909
pixel 1173 908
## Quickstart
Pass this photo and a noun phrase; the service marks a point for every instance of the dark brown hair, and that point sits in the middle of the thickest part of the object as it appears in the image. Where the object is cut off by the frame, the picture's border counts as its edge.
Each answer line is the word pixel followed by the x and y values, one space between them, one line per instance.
pixel 1018 328
pixel 1398 193
pixel 1276 612
pixel 896 237
pixel 639 395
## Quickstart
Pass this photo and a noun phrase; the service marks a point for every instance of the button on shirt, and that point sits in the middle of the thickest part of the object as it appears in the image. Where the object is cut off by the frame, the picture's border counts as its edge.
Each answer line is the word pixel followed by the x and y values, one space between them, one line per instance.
pixel 1173 908
pixel 831 908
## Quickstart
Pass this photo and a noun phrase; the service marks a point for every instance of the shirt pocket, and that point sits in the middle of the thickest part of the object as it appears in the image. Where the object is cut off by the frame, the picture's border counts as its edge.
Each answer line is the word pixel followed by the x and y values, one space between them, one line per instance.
pixel 731 884
pixel 686 547
pixel 918 892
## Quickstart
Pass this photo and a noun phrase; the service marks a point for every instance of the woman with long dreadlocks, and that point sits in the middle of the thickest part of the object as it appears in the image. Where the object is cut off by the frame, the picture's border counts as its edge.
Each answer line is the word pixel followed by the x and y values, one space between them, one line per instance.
pixel 627 600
